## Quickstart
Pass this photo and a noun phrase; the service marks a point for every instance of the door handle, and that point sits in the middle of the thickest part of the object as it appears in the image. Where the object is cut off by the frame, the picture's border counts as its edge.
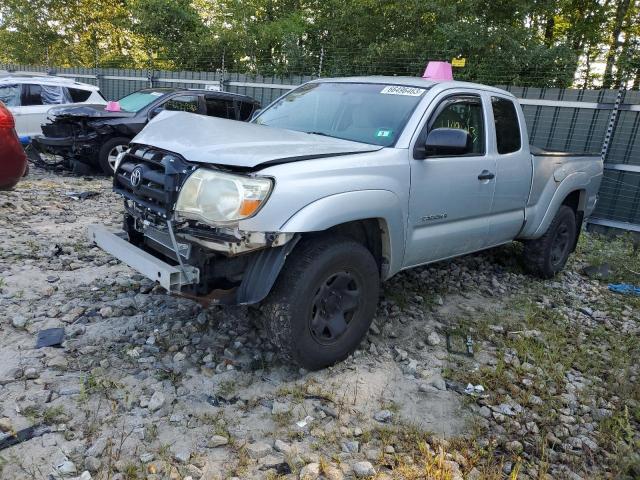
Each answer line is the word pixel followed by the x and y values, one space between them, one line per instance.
pixel 486 175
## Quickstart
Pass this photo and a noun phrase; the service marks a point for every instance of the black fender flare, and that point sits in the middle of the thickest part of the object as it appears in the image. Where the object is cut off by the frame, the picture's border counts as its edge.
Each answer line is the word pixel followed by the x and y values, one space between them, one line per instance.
pixel 262 272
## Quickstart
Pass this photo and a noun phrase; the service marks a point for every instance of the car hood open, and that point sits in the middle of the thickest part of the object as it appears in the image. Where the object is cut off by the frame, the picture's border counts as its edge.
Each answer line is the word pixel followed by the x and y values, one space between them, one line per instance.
pixel 86 111
pixel 229 142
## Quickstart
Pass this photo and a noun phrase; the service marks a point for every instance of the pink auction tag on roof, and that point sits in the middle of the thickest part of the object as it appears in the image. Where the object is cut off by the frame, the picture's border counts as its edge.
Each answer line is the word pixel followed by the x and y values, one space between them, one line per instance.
pixel 112 107
pixel 438 71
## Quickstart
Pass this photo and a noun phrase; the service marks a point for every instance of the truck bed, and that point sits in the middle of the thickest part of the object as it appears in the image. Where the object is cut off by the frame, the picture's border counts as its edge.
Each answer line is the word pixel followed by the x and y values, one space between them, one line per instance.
pixel 543 152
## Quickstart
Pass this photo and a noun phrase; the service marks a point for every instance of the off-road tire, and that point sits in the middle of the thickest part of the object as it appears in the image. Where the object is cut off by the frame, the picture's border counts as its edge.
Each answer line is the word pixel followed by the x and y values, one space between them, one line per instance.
pixel 538 253
pixel 103 153
pixel 288 311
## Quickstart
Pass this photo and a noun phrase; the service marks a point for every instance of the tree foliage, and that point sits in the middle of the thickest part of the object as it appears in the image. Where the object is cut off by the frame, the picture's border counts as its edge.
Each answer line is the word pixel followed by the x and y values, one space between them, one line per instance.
pixel 527 42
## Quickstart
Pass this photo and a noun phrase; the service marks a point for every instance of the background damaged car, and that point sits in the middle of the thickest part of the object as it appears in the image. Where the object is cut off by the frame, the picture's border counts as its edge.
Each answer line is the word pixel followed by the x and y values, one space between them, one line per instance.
pixel 95 135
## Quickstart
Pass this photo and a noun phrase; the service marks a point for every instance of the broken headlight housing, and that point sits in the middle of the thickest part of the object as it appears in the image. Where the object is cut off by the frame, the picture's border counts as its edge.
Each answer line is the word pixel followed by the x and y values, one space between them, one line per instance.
pixel 217 197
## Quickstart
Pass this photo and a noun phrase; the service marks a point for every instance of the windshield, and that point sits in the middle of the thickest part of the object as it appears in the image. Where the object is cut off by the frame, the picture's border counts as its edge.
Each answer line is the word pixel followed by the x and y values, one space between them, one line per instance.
pixel 363 112
pixel 138 100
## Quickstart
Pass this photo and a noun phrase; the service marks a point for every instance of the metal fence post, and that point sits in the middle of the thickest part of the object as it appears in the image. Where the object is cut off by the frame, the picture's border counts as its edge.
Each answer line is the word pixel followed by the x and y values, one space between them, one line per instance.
pixel 98 78
pixel 612 122
pixel 321 62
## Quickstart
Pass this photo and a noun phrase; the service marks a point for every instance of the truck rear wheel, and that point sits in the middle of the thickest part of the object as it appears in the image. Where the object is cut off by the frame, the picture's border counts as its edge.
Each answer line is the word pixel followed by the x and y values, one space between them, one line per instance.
pixel 547 255
pixel 323 302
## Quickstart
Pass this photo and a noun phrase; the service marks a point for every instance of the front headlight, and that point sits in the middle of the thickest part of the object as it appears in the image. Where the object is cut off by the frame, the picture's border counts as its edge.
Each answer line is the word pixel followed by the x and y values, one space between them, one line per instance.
pixel 217 197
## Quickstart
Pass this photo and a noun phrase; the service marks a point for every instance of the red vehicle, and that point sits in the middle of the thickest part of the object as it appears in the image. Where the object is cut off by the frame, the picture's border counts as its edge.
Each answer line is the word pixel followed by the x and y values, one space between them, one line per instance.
pixel 13 160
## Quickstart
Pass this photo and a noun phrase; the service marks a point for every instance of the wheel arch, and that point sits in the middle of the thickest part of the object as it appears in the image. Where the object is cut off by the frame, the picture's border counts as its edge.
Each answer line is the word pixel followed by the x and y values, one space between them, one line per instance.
pixel 572 192
pixel 351 214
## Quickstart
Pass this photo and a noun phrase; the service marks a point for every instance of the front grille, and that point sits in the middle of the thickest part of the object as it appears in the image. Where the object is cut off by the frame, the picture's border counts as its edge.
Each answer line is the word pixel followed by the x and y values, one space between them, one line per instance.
pixel 60 130
pixel 157 178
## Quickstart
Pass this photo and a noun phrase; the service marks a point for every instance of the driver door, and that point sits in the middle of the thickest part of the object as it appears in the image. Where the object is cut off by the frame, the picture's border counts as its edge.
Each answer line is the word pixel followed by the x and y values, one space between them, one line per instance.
pixel 451 195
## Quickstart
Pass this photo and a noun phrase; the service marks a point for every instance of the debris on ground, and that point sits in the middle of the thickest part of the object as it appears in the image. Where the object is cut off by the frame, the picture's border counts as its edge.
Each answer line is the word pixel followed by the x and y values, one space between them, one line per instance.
pixel 82 195
pixel 145 385
pixel 624 288
pixel 50 337
pixel 474 390
pixel 14 438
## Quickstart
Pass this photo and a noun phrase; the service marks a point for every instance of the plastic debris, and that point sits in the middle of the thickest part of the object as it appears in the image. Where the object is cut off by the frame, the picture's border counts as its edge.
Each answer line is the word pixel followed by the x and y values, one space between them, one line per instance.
pixel 51 337
pixel 624 288
pixel 305 421
pixel 474 389
pixel 82 195
pixel 459 343
pixel 601 272
pixel 13 438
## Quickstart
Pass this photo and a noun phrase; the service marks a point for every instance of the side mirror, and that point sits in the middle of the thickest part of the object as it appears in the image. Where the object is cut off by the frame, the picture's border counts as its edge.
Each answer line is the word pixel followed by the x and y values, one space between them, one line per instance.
pixel 155 112
pixel 255 113
pixel 447 141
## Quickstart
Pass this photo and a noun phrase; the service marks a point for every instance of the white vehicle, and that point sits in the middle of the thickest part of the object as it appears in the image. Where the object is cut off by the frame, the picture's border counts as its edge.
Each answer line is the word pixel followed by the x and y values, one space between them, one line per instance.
pixel 30 97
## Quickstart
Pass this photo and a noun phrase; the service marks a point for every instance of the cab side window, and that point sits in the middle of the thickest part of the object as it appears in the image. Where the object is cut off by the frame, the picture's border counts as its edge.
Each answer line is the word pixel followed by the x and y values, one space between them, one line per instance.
pixel 77 95
pixel 10 95
pixel 31 94
pixel 183 103
pixel 464 113
pixel 34 94
pixel 505 117
pixel 246 109
pixel 220 107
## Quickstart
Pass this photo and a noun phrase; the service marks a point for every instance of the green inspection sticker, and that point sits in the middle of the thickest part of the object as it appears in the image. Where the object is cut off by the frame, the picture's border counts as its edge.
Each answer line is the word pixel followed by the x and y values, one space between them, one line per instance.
pixel 383 133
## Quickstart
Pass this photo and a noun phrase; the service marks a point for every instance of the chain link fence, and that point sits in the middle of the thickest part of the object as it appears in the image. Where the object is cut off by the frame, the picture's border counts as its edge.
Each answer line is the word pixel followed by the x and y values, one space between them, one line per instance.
pixel 578 120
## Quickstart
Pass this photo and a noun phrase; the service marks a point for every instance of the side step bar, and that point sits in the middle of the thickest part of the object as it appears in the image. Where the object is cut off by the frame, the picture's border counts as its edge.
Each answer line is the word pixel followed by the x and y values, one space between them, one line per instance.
pixel 172 278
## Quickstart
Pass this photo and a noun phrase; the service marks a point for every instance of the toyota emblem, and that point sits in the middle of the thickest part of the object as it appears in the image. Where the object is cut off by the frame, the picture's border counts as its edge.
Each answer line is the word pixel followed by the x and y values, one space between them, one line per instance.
pixel 136 177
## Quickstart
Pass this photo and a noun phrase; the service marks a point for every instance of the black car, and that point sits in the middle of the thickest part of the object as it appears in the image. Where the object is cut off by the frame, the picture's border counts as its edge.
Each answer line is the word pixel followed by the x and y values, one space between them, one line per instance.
pixel 94 135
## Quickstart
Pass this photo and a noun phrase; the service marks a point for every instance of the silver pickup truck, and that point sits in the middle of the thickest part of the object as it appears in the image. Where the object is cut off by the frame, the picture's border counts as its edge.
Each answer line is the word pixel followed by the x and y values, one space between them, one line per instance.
pixel 334 187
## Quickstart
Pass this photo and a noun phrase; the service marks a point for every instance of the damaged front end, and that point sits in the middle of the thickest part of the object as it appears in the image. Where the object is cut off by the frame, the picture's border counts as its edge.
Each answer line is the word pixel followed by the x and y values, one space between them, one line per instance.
pixel 220 264
pixel 69 137
pixel 77 133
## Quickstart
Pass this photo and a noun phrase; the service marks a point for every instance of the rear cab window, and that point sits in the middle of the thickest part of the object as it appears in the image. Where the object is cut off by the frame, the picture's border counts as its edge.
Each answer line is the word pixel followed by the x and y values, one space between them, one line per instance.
pixel 505 117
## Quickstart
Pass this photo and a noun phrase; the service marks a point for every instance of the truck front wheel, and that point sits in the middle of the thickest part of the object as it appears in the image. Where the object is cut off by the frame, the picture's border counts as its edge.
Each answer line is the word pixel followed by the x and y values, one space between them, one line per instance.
pixel 323 301
pixel 548 254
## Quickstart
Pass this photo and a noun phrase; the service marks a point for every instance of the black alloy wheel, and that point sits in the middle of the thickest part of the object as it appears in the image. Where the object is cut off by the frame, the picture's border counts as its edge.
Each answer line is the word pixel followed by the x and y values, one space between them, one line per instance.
pixel 334 306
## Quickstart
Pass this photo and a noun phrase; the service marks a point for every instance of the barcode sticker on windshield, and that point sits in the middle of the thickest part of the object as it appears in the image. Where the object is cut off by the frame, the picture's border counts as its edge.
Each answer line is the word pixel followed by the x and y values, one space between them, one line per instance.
pixel 398 90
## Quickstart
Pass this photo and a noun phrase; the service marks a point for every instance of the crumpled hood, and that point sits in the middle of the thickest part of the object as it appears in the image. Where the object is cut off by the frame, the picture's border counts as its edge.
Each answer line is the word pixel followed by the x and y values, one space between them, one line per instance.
pixel 229 142
pixel 86 111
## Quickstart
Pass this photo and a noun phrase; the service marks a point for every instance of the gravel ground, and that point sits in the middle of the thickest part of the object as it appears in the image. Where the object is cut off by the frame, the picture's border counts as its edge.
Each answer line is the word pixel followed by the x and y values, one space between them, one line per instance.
pixel 151 386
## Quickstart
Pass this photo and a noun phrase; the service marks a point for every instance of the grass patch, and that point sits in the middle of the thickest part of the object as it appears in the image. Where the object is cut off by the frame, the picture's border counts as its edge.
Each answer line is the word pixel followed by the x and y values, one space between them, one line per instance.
pixel 540 345
pixel 622 253
pixel 97 383
pixel 48 416
pixel 421 455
